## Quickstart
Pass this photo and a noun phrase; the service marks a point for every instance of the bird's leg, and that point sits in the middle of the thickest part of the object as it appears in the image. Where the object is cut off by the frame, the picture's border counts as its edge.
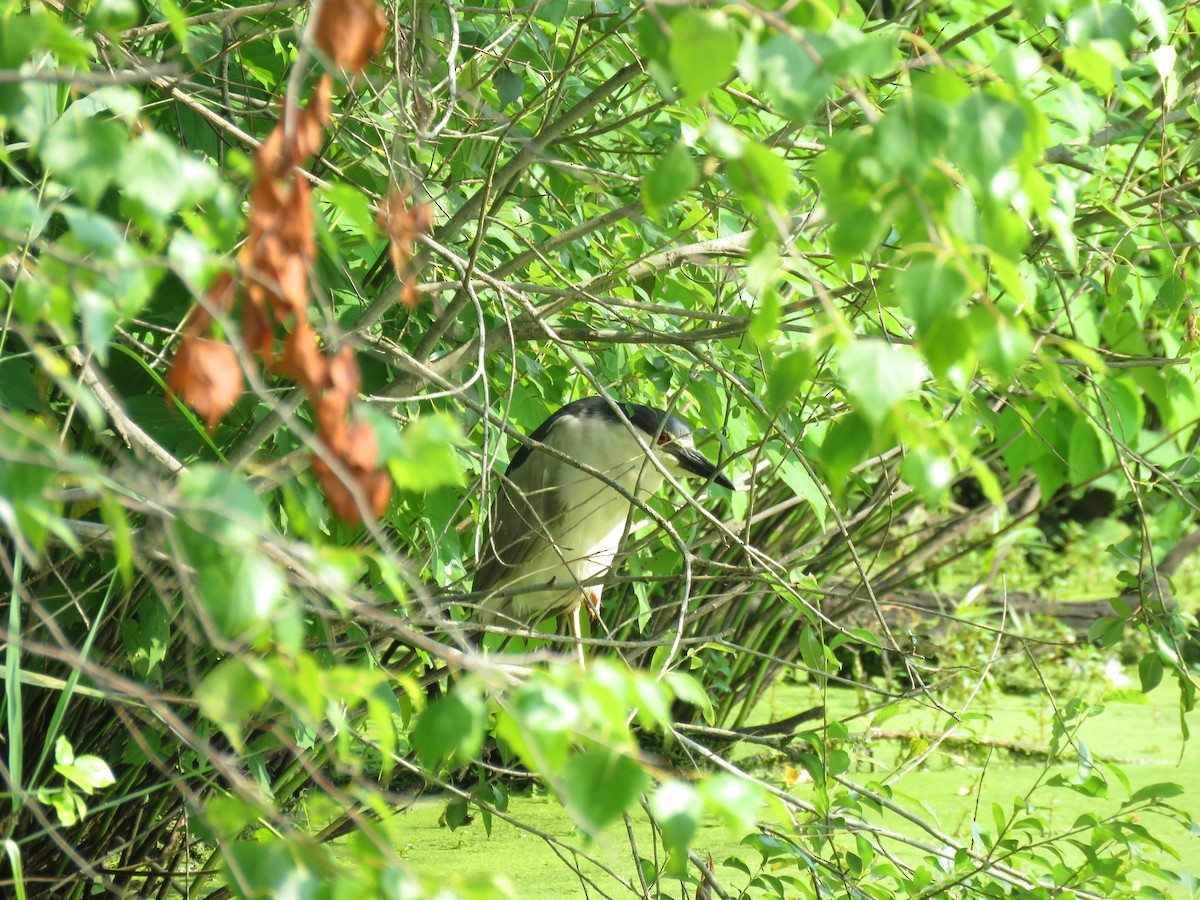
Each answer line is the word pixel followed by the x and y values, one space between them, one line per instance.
pixel 577 631
pixel 591 598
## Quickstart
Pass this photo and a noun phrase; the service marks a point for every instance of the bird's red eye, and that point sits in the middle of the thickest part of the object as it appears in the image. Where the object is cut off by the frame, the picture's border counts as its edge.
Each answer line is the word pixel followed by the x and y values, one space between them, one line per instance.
pixel 664 439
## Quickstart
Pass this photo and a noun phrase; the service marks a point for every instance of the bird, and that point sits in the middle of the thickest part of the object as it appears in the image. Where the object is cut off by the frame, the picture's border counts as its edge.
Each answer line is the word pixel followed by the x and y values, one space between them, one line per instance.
pixel 554 525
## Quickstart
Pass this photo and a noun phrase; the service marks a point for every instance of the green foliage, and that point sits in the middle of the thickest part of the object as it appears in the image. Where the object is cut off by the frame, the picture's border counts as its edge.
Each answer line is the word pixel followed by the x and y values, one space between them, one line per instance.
pixel 450 729
pixel 81 774
pixel 923 282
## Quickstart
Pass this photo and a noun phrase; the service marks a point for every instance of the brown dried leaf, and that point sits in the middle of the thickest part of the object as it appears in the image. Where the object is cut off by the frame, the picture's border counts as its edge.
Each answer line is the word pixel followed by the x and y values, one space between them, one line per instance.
pixel 404 224
pixel 408 294
pixel 378 488
pixel 303 361
pixel 221 293
pixel 279 250
pixel 330 413
pixel 351 32
pixel 337 495
pixel 375 487
pixel 268 162
pixel 205 374
pixel 310 125
pixel 343 372
pixel 362 449
pixel 291 274
pixel 256 326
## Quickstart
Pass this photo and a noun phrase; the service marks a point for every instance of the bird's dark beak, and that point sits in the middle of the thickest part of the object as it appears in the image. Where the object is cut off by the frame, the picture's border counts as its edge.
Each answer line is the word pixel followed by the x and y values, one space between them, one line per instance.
pixel 695 463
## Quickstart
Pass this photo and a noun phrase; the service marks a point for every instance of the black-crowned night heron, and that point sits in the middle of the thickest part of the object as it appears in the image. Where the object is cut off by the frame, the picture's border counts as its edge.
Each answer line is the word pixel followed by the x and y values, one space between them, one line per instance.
pixel 554 524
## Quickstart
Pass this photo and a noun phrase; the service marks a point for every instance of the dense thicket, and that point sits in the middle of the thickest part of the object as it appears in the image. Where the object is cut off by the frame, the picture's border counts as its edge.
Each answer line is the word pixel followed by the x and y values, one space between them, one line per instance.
pixel 920 276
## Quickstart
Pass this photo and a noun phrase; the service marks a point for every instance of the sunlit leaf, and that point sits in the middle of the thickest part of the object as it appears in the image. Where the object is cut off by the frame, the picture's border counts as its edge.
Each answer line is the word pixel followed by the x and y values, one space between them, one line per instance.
pixel 671 177
pixel 878 375
pixel 704 46
pixel 601 785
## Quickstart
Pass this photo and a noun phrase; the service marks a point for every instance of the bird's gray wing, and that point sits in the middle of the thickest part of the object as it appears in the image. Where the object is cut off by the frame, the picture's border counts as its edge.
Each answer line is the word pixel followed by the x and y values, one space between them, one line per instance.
pixel 517 530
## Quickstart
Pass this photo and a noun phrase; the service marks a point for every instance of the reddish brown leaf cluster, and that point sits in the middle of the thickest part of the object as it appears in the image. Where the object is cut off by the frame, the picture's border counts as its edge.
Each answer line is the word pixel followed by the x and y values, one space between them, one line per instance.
pixel 404 223
pixel 351 32
pixel 276 262
pixel 351 442
pixel 205 373
pixel 280 244
pixel 280 248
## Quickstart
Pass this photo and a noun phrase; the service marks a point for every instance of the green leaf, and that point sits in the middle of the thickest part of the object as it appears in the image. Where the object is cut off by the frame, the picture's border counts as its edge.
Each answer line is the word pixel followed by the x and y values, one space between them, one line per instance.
pixel 93 230
pixel 241 592
pixel 672 176
pixel 677 810
pixel 160 178
pixel 1124 408
pixel 509 85
pixel 1102 22
pixel 652 41
pixel 914 129
pixel 424 458
pixel 793 473
pixel 13 851
pixel 230 695
pixel 861 56
pixel 552 11
pixel 114 517
pixel 1107 631
pixel 1097 63
pixel 878 375
pixel 764 324
pixel 68 806
pixel 455 814
pixel 113 16
pixel 220 506
pixel 85 152
pixel 653 705
pixel 451 729
pixel 99 316
pixel 1085 454
pixel 1003 348
pixel 539 723
pixel 146 634
pixel 1171 294
pixel 929 289
pixel 20 36
pixel 690 690
pixel 273 867
pixel 786 375
pixel 64 753
pixel 791 76
pixel 838 762
pixel 846 444
pixel 89 772
pixel 929 472
pixel 1150 672
pixel 226 816
pixel 990 133
pixel 353 209
pixel 763 181
pixel 704 46
pixel 736 801
pixel 25 510
pixel 601 785
pixel 23 35
pixel 1163 790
